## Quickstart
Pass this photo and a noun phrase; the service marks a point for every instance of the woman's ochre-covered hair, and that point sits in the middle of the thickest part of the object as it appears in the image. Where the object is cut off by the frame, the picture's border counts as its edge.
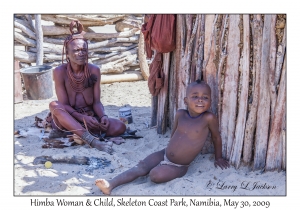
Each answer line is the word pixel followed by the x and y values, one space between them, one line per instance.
pixel 75 34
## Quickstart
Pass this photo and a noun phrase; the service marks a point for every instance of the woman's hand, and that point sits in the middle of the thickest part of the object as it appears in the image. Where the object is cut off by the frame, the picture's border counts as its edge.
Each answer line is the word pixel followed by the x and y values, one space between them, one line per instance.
pixel 91 122
pixel 104 122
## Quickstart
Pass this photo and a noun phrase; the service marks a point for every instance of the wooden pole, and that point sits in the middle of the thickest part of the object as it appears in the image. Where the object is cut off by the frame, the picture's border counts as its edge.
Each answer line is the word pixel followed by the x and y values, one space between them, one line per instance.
pixel 142 57
pixel 39 40
pixel 172 89
pixel 229 103
pixel 223 56
pixel 263 111
pixel 274 152
pixel 124 77
pixel 210 68
pixel 243 102
pixel 162 110
pixel 154 107
pixel 252 116
pixel 181 73
pixel 199 65
pixel 272 85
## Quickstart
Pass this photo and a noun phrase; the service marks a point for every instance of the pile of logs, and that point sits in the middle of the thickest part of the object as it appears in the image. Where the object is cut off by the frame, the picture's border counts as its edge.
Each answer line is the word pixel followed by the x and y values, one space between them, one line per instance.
pixel 114 53
pixel 243 59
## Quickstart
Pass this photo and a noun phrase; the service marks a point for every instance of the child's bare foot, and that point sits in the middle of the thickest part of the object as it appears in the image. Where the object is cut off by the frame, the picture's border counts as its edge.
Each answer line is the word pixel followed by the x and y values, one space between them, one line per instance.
pixel 104 186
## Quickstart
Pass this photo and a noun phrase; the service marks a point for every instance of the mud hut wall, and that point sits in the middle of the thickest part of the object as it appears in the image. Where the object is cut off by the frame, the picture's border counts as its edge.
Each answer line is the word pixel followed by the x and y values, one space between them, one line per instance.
pixel 241 58
pixel 113 52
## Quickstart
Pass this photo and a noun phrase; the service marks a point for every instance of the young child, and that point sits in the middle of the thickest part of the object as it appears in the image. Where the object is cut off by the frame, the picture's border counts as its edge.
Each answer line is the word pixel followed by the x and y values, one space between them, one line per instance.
pixel 191 128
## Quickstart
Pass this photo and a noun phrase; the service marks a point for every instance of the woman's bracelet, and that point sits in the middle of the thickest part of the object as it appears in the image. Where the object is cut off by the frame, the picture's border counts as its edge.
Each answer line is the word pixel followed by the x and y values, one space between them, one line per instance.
pixel 103 116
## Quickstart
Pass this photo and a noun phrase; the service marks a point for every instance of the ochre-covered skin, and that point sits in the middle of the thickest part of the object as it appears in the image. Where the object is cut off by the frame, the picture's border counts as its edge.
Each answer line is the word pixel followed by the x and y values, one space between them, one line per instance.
pixel 77 85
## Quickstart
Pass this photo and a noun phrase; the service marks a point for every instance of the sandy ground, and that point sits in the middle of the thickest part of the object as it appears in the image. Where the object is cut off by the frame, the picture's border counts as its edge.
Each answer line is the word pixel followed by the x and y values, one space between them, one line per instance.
pixel 202 177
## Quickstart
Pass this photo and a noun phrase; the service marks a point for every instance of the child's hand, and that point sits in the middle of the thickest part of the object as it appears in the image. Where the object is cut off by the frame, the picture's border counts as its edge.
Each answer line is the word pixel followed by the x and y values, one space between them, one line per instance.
pixel 221 163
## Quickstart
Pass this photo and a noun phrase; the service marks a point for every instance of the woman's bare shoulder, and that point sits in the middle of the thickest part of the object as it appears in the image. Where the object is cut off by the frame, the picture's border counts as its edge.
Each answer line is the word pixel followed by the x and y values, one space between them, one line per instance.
pixel 94 68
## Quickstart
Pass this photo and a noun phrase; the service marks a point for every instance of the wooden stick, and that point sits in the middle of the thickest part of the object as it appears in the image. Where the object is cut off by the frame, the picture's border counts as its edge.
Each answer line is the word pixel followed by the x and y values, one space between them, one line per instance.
pixel 53 30
pixel 154 106
pixel 26 30
pixel 102 56
pixel 272 59
pixel 22 22
pixel 181 74
pixel 127 23
pixel 189 48
pixel 229 104
pixel 177 59
pixel 54 41
pixel 252 116
pixel 263 111
pixel 26 57
pixel 116 66
pixel 274 152
pixel 243 102
pixel 210 69
pixel 66 20
pixel 113 41
pixel 200 60
pixel 39 40
pixel 280 57
pixel 283 164
pixel 223 56
pixel 116 47
pixel 24 40
pixel 142 58
pixel 209 28
pixel 125 34
pixel 163 97
pixel 124 77
pixel 52 57
pixel 172 89
pixel 116 57
pixel 196 51
pixel 30 23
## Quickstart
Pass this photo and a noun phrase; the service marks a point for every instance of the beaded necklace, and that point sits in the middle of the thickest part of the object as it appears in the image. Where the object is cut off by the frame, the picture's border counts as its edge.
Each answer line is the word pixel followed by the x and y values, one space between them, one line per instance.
pixel 77 83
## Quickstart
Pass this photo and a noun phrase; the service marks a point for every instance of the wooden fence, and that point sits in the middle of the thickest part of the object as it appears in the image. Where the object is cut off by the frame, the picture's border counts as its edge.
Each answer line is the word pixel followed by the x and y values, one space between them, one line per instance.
pixel 114 53
pixel 243 59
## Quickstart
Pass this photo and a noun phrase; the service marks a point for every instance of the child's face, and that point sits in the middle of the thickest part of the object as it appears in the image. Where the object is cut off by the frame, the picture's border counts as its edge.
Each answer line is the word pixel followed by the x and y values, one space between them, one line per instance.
pixel 198 99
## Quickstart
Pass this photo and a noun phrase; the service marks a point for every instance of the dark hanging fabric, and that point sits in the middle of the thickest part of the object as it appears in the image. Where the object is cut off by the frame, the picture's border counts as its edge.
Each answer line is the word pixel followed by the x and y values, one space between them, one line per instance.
pixel 156 77
pixel 160 35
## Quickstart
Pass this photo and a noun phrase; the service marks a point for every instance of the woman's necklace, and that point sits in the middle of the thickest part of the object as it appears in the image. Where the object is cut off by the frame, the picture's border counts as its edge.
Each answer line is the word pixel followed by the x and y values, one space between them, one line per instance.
pixel 77 82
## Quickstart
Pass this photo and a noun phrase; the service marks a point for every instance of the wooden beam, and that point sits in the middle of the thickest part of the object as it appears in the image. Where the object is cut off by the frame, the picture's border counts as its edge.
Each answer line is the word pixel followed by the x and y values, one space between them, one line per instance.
pixel 252 116
pixel 243 100
pixel 275 144
pixel 229 103
pixel 263 111
pixel 162 110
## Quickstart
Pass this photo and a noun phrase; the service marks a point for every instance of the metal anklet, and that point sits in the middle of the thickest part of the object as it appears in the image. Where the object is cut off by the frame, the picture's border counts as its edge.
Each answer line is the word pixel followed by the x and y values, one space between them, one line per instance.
pixel 88 138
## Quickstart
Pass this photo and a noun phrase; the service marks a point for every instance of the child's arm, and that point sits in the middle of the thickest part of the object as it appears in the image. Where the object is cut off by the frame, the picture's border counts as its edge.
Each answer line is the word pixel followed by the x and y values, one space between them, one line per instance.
pixel 213 125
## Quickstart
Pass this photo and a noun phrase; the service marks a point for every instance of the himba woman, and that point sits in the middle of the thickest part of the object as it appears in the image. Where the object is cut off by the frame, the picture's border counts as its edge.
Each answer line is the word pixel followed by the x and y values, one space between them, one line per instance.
pixel 77 85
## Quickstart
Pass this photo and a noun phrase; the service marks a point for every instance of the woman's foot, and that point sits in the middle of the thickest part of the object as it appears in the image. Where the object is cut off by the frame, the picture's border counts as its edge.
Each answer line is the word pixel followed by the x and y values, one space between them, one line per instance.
pixel 102 146
pixel 104 186
pixel 95 143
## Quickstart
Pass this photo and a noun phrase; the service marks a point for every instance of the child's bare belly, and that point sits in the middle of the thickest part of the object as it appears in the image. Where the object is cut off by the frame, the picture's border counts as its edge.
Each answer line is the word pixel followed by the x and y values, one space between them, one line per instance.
pixel 182 149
